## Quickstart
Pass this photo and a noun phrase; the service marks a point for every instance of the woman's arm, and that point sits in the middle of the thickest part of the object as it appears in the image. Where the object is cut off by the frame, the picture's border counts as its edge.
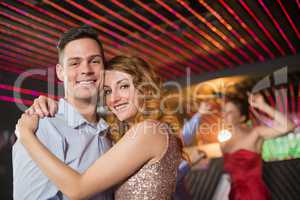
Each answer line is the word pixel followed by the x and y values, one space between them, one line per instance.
pixel 137 147
pixel 280 124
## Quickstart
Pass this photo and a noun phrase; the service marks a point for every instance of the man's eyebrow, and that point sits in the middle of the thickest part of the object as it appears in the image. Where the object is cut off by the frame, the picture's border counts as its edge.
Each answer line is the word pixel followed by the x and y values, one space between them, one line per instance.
pixel 73 58
pixel 95 56
pixel 90 57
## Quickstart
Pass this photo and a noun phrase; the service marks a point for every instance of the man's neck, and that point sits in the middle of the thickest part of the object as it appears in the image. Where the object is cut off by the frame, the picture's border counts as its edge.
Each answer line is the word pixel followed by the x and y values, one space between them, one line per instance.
pixel 87 108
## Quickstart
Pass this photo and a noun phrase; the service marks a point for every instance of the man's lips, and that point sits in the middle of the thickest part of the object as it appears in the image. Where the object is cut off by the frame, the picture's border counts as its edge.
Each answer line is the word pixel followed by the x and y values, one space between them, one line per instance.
pixel 86 82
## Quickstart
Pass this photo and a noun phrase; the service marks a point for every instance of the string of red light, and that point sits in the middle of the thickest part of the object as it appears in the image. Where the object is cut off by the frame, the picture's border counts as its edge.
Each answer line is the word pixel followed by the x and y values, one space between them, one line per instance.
pixel 160 54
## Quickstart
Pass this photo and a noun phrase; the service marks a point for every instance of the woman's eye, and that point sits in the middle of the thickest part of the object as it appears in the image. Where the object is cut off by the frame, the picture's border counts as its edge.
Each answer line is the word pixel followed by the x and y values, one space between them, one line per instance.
pixel 124 86
pixel 107 92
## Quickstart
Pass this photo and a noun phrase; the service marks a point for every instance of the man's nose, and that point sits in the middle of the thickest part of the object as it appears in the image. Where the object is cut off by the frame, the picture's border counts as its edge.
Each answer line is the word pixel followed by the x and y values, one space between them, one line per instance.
pixel 86 68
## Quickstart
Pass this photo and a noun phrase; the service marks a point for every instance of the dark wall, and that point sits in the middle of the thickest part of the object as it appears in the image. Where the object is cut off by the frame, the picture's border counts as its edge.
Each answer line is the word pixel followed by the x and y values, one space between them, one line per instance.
pixel 9 114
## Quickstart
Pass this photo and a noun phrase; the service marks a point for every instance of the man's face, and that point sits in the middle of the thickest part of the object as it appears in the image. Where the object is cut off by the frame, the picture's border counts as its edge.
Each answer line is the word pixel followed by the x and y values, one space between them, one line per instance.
pixel 81 69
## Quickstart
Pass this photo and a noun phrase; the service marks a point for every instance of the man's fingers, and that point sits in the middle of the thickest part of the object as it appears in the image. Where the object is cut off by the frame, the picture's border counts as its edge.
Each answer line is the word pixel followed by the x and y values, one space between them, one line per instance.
pixel 37 110
pixel 44 109
pixel 29 111
pixel 52 106
pixel 42 102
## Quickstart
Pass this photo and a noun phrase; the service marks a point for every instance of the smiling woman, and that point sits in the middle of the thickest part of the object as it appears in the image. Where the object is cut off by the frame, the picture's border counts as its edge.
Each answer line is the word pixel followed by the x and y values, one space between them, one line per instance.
pixel 124 74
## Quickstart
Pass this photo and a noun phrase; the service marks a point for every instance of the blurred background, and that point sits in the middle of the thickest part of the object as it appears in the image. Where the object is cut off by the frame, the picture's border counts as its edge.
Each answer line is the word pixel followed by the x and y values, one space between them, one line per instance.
pixel 209 47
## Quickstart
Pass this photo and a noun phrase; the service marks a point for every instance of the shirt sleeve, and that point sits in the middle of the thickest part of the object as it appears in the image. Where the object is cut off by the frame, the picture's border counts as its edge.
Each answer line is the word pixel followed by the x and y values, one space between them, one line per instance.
pixel 190 129
pixel 28 180
pixel 183 169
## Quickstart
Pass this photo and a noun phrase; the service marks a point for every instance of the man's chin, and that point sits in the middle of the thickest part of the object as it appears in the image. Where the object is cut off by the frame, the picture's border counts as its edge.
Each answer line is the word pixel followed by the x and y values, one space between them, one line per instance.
pixel 87 95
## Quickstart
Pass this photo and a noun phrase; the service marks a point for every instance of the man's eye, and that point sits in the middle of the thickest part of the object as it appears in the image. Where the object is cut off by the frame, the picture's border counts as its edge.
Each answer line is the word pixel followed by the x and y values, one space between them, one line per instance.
pixel 74 64
pixel 96 61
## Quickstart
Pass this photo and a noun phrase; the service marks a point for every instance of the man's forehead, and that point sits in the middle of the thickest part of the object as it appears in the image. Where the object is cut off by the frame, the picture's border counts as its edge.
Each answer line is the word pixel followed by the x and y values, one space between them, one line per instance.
pixel 82 46
pixel 82 57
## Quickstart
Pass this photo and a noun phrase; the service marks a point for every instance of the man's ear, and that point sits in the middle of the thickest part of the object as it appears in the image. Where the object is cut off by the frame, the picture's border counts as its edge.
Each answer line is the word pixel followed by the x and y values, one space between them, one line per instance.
pixel 60 72
pixel 243 118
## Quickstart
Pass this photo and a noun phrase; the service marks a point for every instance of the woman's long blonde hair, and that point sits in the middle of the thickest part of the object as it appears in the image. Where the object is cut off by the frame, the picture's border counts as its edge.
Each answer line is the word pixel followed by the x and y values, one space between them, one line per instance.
pixel 149 86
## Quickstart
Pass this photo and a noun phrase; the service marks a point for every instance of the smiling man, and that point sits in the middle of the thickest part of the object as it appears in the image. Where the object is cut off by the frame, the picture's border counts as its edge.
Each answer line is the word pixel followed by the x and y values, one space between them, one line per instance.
pixel 76 135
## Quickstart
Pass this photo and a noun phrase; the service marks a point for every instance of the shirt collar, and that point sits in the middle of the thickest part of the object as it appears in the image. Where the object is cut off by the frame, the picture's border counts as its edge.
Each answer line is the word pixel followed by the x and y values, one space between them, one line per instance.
pixel 74 119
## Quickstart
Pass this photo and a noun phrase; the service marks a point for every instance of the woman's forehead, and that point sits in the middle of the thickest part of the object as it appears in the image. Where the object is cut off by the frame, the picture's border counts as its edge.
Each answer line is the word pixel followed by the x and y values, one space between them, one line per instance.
pixel 114 76
pixel 231 105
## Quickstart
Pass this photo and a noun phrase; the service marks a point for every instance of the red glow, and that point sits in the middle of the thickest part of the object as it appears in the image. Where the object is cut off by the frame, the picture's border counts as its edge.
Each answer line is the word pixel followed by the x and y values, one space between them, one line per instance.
pixel 263 28
pixel 277 26
pixel 244 26
pixel 15 100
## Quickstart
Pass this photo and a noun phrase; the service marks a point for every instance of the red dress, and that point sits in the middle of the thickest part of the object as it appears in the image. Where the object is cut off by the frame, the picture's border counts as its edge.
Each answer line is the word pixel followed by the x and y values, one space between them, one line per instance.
pixel 245 169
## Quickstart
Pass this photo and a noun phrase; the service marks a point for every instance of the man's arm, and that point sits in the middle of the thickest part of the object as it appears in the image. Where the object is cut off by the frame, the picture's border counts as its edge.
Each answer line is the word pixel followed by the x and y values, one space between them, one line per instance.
pixel 190 128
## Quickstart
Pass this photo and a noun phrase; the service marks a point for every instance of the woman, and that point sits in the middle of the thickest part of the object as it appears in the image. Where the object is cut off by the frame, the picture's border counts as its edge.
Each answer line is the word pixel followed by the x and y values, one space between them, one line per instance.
pixel 144 161
pixel 242 159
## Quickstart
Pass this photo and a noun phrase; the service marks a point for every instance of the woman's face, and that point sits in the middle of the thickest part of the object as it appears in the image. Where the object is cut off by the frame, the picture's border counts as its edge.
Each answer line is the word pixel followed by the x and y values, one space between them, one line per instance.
pixel 120 94
pixel 232 114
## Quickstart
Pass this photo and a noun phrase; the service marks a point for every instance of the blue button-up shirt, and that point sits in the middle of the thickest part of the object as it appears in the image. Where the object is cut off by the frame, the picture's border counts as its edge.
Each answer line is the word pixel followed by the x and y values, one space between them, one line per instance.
pixel 72 139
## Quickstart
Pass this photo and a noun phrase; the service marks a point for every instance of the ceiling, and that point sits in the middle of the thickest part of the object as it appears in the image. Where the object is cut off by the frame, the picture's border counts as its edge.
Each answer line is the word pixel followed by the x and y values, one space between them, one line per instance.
pixel 205 36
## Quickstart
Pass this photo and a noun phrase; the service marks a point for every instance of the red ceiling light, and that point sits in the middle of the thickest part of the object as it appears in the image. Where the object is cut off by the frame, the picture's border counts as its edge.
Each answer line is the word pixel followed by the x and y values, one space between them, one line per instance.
pixel 27 91
pixel 263 28
pixel 112 43
pixel 277 26
pixel 233 31
pixel 27 32
pixel 24 58
pixel 167 53
pixel 202 33
pixel 69 23
pixel 188 35
pixel 16 100
pixel 245 26
pixel 35 49
pixel 217 31
pixel 29 24
pixel 50 24
pixel 289 18
pixel 23 37
pixel 29 54
pixel 175 47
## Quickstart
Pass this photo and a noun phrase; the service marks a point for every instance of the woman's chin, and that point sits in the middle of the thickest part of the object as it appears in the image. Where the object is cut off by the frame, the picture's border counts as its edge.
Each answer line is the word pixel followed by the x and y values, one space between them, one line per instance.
pixel 121 118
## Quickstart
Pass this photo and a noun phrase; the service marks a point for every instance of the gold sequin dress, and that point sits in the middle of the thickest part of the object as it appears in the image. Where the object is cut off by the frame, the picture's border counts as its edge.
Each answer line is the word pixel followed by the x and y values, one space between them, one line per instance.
pixel 156 180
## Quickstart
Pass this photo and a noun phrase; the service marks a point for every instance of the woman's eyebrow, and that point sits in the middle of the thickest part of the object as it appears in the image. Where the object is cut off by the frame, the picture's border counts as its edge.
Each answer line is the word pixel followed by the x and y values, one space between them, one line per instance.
pixel 119 81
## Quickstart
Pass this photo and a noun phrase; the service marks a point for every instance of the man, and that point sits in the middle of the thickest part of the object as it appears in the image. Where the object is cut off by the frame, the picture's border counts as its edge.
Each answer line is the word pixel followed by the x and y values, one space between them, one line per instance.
pixel 76 135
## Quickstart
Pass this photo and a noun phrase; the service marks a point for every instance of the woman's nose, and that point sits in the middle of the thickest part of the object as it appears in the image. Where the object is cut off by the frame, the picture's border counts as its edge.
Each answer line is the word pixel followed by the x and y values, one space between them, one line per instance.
pixel 115 97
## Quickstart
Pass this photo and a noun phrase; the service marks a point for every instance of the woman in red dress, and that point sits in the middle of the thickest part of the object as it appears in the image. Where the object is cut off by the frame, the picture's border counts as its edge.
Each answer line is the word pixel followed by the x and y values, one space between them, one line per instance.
pixel 242 158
